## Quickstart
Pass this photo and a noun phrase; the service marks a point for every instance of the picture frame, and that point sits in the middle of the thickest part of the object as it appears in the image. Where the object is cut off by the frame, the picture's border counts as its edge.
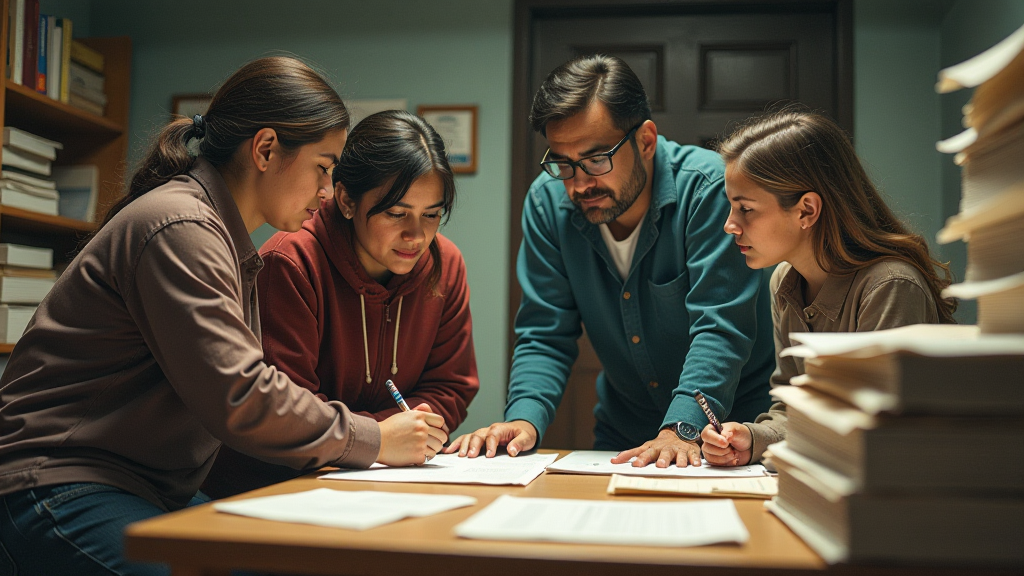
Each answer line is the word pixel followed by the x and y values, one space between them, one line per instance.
pixel 188 105
pixel 457 126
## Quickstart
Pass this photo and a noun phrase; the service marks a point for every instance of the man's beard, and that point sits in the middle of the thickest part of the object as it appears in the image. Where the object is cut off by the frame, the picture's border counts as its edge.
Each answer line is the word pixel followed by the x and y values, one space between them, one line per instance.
pixel 631 191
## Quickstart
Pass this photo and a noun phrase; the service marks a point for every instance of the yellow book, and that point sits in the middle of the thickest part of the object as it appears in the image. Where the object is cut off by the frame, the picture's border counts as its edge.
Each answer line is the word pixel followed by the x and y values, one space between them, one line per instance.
pixel 65 60
pixel 760 487
pixel 87 56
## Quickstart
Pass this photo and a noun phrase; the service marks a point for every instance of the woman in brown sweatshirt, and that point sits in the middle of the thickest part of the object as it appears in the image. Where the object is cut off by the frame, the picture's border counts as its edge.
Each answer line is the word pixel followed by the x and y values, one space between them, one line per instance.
pixel 146 354
pixel 369 291
pixel 801 199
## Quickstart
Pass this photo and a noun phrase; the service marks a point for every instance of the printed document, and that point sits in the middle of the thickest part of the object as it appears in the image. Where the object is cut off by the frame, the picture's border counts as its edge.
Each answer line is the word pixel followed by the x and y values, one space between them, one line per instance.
pixel 502 470
pixel 760 487
pixel 342 509
pixel 599 462
pixel 604 522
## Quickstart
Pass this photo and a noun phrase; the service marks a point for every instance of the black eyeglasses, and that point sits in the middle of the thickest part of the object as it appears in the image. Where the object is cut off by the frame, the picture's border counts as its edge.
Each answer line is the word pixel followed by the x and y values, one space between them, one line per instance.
pixel 596 165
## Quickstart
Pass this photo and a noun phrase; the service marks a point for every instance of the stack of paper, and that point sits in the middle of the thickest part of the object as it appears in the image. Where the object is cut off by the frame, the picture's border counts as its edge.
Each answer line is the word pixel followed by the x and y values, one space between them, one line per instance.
pixel 760 487
pixel 603 522
pixel 858 476
pixel 991 217
pixel 599 462
pixel 339 509
pixel 450 469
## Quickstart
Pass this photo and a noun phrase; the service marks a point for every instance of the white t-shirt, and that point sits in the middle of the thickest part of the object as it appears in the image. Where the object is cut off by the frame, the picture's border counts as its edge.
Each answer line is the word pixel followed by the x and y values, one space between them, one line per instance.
pixel 622 252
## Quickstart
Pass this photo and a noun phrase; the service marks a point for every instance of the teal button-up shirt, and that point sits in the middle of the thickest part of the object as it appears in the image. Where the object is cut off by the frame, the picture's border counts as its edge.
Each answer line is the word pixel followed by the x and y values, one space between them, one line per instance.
pixel 696 317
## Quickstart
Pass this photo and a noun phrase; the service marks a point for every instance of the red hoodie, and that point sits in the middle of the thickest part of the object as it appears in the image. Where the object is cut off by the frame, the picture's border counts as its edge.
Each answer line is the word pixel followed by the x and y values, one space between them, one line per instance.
pixel 313 322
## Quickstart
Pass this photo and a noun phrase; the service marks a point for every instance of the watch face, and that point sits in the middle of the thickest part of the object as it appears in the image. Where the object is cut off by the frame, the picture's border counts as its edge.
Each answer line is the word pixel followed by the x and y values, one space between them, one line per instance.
pixel 686 431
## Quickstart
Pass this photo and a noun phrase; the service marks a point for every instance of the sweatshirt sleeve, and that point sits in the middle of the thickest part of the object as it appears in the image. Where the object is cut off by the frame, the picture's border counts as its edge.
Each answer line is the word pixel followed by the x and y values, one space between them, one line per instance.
pixel 187 299
pixel 449 380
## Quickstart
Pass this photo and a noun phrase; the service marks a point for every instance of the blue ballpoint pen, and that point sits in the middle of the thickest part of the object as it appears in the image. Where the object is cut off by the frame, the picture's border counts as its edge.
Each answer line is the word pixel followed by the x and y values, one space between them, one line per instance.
pixel 397 396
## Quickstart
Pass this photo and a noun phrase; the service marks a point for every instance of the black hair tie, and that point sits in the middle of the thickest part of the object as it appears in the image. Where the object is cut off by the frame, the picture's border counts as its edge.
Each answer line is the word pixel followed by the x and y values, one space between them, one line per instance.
pixel 198 126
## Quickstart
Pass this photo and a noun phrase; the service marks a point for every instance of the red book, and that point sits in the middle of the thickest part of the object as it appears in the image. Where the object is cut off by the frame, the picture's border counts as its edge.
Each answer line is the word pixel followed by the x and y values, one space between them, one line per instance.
pixel 30 59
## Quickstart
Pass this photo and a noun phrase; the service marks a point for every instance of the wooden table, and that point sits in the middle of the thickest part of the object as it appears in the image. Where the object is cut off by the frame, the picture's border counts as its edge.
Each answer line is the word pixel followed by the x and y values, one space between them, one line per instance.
pixel 200 541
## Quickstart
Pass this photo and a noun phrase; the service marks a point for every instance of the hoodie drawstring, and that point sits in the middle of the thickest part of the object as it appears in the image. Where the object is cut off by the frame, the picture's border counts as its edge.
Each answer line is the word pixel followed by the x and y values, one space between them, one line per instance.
pixel 366 347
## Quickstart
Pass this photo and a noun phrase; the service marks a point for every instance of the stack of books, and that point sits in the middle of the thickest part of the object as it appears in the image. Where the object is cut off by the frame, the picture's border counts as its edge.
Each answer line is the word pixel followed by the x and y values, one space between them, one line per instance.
pixel 86 80
pixel 27 162
pixel 26 276
pixel 39 49
pixel 991 153
pixel 905 446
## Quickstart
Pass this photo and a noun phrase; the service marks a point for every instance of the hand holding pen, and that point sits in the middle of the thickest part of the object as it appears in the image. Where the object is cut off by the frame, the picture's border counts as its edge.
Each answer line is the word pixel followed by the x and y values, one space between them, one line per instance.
pixel 413 436
pixel 724 445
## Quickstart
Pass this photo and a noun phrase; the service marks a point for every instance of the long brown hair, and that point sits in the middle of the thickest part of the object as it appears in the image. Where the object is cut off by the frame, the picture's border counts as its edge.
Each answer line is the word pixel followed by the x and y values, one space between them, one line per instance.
pixel 790 153
pixel 278 92
pixel 394 148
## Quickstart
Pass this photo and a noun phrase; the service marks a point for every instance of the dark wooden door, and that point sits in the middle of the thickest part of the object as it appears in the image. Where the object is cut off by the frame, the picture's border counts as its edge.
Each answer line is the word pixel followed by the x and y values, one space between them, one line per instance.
pixel 705 66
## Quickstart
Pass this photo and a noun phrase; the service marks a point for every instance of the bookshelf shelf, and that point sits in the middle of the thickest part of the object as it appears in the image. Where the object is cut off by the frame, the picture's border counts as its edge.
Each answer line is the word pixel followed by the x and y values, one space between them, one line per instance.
pixel 38 114
pixel 6 348
pixel 29 221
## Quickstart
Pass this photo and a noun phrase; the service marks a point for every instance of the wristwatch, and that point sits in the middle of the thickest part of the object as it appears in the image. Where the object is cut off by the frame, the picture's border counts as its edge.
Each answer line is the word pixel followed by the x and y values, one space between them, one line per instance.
pixel 684 431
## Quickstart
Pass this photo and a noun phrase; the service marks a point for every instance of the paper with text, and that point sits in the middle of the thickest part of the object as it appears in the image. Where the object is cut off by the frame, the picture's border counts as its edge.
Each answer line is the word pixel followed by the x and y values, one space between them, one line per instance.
pixel 341 509
pixel 450 469
pixel 603 522
pixel 760 487
pixel 599 462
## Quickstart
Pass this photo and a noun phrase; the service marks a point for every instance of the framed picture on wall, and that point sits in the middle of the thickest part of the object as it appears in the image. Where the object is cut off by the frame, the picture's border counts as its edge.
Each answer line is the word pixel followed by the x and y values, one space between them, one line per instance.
pixel 457 127
pixel 188 105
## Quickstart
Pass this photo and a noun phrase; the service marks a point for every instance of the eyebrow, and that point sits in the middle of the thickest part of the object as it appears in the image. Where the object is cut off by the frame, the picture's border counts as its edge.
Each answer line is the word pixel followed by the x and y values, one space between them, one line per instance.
pixel 332 157
pixel 599 149
pixel 410 206
pixel 738 198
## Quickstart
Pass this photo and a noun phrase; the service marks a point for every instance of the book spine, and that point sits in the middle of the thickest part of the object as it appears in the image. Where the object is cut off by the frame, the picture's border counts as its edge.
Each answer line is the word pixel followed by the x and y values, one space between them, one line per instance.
pixel 55 33
pixel 65 59
pixel 42 43
pixel 87 56
pixel 29 57
pixel 18 33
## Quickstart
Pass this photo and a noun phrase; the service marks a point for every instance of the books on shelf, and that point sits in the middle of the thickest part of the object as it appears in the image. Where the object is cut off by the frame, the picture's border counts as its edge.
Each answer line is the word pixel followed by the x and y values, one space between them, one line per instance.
pixel 18 289
pixel 13 322
pixel 87 56
pixel 15 39
pixel 27 201
pixel 16 255
pixel 30 143
pixel 78 187
pixel 40 48
pixel 28 179
pixel 15 158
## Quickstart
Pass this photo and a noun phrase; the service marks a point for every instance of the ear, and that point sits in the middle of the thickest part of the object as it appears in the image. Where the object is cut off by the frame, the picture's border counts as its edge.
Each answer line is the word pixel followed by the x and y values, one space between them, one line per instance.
pixel 264 148
pixel 647 139
pixel 345 202
pixel 809 207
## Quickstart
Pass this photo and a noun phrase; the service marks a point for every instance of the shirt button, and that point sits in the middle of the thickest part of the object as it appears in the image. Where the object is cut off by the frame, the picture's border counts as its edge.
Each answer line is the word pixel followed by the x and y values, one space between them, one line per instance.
pixel 636 339
pixel 810 314
pixel 654 384
pixel 626 295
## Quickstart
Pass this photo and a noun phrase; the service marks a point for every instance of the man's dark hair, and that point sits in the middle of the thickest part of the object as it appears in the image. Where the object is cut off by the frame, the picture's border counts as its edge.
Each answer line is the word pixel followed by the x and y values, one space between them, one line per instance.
pixel 573 86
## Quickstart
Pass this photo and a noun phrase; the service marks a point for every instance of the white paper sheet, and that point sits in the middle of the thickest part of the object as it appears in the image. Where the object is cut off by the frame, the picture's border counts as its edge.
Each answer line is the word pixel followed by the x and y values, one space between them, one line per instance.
pixel 599 462
pixel 603 522
pixel 759 487
pixel 342 509
pixel 502 470
pixel 927 339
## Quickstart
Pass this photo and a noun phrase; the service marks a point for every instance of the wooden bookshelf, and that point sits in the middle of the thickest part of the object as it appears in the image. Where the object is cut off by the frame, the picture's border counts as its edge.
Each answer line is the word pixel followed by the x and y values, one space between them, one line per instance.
pixel 87 139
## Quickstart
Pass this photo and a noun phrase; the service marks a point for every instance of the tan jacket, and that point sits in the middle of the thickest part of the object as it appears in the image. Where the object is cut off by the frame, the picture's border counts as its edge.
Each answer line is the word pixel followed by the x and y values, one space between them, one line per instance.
pixel 146 355
pixel 888 294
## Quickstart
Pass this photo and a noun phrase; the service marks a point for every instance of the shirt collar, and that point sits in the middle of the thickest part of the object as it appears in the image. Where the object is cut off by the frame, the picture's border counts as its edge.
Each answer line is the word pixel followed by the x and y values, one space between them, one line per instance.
pixel 220 198
pixel 830 298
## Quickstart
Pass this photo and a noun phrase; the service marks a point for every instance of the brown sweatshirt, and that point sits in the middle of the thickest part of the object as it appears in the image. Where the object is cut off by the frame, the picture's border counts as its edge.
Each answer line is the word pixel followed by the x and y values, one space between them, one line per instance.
pixel 146 355
pixel 888 294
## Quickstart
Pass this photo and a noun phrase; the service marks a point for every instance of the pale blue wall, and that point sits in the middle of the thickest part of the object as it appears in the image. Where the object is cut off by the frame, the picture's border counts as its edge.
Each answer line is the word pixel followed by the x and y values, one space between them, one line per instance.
pixel 439 52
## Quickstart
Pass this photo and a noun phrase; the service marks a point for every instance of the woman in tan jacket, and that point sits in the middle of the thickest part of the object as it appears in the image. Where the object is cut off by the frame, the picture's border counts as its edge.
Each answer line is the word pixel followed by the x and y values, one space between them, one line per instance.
pixel 801 199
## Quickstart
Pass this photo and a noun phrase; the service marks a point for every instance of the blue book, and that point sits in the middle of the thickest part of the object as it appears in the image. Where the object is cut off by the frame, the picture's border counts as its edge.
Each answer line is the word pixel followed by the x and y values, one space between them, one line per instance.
pixel 43 44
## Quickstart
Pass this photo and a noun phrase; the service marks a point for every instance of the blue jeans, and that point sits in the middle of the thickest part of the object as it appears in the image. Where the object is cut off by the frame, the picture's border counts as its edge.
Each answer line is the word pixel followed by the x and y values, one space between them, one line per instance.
pixel 73 529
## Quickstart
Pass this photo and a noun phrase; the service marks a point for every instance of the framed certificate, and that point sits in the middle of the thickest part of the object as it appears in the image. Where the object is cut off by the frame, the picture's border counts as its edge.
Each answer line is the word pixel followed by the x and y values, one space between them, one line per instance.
pixel 457 127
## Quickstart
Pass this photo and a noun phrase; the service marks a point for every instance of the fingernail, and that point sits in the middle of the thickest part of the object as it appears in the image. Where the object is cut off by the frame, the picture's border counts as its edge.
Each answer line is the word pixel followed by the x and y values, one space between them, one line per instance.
pixel 512 451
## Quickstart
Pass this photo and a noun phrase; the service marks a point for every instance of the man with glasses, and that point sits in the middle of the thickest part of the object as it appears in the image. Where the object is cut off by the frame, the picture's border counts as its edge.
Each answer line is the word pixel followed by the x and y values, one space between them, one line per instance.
pixel 622 234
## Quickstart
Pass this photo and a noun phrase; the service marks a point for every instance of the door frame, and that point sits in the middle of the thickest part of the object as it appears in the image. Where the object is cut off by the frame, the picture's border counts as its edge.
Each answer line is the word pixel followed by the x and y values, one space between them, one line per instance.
pixel 526 11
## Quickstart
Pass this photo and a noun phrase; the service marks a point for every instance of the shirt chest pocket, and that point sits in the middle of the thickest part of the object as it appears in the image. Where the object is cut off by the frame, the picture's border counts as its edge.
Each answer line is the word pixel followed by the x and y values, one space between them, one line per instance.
pixel 668 305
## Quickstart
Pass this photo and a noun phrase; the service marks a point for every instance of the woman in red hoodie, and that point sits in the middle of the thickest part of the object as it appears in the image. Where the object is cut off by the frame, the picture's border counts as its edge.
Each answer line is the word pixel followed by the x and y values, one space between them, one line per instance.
pixel 368 291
